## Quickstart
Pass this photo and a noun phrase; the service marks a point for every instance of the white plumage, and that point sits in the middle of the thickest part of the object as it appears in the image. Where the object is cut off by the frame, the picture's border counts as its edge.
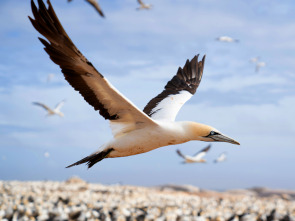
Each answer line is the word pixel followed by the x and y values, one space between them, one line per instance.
pixel 134 131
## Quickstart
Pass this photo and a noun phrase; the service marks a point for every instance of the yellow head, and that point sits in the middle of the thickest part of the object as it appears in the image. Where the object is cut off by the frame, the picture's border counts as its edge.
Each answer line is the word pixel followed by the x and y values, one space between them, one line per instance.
pixel 207 133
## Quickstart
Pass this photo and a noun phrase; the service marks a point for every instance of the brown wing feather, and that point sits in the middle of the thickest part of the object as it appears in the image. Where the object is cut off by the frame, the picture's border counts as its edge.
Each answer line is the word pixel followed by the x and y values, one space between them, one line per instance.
pixel 95 4
pixel 79 72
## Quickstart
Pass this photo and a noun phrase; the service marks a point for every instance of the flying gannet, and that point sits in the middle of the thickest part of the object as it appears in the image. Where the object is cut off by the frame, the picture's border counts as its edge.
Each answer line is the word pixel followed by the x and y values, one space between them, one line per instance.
pixel 220 158
pixel 258 64
pixel 50 112
pixel 197 158
pixel 95 4
pixel 226 39
pixel 134 131
pixel 143 5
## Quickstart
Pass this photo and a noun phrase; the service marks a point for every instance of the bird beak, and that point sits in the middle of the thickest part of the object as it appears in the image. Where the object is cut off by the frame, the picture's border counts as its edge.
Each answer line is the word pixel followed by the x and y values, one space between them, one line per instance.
pixel 223 138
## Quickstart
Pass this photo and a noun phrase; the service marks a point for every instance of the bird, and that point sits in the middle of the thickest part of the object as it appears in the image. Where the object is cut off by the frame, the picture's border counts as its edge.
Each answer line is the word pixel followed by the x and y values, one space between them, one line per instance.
pixel 254 60
pixel 196 158
pixel 134 131
pixel 220 158
pixel 143 5
pixel 259 65
pixel 226 39
pixel 50 77
pixel 95 4
pixel 51 112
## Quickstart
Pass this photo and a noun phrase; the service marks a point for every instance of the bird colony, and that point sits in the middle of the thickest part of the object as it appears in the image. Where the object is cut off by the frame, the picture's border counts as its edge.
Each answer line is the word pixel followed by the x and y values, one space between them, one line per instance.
pixel 78 200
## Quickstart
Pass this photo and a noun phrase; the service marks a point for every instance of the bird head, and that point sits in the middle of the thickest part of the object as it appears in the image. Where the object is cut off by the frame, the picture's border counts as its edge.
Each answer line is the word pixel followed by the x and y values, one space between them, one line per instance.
pixel 210 134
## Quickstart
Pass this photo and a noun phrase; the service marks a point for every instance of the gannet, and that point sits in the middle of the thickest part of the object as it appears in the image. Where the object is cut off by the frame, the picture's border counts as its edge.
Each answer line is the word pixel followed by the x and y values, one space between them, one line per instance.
pixel 134 131
pixel 143 5
pixel 95 4
pixel 196 158
pixel 49 77
pixel 226 39
pixel 259 65
pixel 254 60
pixel 50 111
pixel 220 158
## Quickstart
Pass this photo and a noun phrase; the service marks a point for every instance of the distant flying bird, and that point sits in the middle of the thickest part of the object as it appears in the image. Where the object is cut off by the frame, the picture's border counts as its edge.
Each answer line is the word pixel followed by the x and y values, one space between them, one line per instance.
pixel 46 154
pixel 197 158
pixel 143 5
pixel 259 65
pixel 220 158
pixel 95 4
pixel 134 131
pixel 50 111
pixel 226 39
pixel 50 77
pixel 255 60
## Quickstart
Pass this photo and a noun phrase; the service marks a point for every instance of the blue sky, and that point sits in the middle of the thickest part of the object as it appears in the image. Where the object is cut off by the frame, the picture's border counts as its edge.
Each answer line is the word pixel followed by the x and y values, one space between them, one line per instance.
pixel 139 52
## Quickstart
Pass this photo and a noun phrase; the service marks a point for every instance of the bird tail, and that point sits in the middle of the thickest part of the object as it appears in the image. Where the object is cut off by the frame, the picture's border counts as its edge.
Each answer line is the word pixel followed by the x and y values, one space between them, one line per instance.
pixel 93 158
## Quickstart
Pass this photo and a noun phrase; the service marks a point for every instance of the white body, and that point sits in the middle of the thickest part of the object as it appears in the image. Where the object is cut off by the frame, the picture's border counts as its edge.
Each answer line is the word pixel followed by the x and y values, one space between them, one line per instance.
pixel 148 138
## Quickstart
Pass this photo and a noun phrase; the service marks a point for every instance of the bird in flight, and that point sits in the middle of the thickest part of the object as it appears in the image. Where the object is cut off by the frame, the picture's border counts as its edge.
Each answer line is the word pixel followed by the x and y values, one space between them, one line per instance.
pixel 226 39
pixel 51 112
pixel 258 63
pixel 95 4
pixel 220 158
pixel 134 131
pixel 196 158
pixel 143 5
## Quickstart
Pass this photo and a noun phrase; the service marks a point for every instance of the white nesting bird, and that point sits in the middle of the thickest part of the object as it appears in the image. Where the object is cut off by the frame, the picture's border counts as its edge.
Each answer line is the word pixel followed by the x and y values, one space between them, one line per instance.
pixel 134 131
pixel 50 111
pixel 226 39
pixel 196 158
pixel 220 158
pixel 143 5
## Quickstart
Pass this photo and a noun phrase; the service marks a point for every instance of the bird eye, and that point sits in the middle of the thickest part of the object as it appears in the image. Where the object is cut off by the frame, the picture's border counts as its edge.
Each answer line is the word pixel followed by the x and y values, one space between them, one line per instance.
pixel 213 133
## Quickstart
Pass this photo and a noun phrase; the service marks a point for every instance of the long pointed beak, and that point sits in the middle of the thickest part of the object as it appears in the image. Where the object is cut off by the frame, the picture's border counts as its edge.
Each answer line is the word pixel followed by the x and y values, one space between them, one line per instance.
pixel 223 138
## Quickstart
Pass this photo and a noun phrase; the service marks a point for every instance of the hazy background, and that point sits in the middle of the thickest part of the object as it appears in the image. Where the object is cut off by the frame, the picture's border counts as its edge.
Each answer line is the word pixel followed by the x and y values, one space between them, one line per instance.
pixel 138 52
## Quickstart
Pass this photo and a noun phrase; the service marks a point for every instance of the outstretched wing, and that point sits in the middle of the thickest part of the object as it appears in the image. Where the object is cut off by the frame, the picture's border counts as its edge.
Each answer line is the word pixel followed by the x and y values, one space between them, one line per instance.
pixel 59 105
pixel 202 153
pixel 82 75
pixel 43 105
pixel 180 154
pixel 178 90
pixel 95 4
pixel 140 2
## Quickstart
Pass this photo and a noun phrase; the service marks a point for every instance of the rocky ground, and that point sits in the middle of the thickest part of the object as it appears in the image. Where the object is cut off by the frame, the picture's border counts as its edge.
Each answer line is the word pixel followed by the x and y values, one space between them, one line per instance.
pixel 78 200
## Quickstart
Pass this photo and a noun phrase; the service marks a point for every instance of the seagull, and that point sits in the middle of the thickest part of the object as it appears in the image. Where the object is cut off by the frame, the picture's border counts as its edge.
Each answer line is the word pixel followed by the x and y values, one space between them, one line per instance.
pixel 50 111
pixel 134 131
pixel 143 5
pixel 220 158
pixel 197 158
pixel 95 4
pixel 226 39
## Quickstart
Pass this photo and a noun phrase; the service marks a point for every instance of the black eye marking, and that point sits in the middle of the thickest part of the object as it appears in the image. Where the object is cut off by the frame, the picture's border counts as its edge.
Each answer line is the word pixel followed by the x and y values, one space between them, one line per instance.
pixel 213 133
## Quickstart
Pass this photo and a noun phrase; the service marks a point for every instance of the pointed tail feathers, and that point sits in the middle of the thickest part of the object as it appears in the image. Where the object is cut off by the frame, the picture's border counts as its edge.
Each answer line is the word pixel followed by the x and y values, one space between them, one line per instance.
pixel 93 158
